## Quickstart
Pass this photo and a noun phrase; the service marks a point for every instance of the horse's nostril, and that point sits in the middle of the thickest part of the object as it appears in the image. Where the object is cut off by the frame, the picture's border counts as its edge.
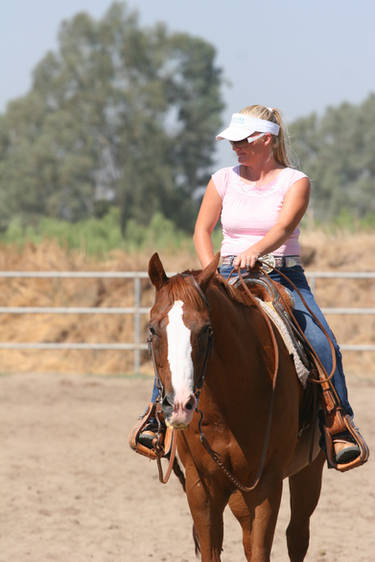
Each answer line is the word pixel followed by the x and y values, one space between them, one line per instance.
pixel 190 404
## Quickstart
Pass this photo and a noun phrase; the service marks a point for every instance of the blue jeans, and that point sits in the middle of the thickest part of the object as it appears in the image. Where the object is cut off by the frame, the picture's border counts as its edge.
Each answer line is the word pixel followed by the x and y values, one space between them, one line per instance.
pixel 155 392
pixel 311 330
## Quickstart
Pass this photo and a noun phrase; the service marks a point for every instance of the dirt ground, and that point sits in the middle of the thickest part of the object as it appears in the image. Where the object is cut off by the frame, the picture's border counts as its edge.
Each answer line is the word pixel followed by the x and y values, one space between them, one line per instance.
pixel 72 490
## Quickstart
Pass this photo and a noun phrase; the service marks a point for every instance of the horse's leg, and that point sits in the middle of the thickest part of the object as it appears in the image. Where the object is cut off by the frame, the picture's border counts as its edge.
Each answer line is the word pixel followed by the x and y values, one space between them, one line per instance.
pixel 265 517
pixel 207 504
pixel 259 527
pixel 304 495
pixel 244 515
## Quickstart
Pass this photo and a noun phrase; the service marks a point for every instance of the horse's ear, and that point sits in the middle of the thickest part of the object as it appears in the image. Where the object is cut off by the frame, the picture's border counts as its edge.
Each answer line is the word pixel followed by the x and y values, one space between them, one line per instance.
pixel 156 271
pixel 208 272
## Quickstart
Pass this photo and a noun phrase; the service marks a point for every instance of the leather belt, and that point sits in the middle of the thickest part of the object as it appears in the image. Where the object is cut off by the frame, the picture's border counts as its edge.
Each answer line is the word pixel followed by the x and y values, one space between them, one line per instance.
pixel 273 261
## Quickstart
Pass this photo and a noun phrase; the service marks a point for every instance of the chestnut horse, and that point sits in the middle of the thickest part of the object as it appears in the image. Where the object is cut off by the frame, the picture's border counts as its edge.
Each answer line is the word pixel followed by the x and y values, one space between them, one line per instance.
pixel 243 437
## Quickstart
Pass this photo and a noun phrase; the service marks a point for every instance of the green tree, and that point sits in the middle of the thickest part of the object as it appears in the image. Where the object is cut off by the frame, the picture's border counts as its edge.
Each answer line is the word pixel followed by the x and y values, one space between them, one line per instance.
pixel 118 112
pixel 337 150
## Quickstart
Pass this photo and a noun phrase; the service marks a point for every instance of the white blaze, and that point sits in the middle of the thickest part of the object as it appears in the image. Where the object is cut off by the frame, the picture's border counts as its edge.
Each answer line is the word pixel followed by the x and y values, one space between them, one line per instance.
pixel 179 353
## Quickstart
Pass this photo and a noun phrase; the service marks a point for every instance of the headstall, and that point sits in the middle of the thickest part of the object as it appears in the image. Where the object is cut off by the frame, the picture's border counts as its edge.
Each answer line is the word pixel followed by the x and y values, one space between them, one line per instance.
pixel 198 385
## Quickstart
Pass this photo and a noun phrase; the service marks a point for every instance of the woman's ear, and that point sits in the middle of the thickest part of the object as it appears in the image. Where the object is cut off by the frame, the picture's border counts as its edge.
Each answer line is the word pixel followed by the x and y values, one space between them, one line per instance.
pixel 267 139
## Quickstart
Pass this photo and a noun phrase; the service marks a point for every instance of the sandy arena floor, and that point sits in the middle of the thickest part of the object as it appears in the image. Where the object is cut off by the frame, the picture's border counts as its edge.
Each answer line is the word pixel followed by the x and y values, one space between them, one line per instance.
pixel 72 490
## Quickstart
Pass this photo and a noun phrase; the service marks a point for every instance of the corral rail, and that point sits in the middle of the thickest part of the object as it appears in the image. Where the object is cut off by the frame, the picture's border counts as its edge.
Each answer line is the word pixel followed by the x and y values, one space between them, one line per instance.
pixel 137 310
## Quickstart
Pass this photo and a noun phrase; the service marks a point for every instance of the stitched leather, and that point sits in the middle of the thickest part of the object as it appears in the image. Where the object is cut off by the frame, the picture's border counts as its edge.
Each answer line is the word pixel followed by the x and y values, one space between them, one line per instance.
pixel 335 422
pixel 260 286
pixel 338 423
pixel 162 443
pixel 137 429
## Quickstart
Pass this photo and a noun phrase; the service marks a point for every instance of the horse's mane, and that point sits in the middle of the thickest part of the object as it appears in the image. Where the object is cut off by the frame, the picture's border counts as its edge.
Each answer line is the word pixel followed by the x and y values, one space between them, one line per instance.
pixel 179 287
pixel 233 293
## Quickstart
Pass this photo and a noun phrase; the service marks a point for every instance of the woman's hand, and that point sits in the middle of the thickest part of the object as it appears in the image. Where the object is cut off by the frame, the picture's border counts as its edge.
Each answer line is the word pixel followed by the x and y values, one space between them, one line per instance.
pixel 246 259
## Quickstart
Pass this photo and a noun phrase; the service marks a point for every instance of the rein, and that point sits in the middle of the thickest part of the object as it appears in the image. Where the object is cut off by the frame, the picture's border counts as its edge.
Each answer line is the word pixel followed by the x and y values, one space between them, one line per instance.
pixel 203 438
pixel 296 325
pixel 322 380
pixel 331 397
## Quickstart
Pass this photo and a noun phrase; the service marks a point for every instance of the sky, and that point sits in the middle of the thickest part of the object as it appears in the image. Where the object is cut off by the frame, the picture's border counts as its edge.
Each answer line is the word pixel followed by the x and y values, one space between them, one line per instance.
pixel 298 55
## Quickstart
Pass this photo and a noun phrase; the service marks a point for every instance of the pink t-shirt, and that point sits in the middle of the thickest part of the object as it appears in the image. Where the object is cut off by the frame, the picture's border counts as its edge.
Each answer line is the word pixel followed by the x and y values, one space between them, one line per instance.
pixel 251 210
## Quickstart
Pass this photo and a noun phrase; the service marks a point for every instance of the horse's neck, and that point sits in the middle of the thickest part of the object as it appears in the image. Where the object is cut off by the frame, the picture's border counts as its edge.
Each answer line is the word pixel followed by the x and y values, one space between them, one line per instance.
pixel 237 339
pixel 232 322
pixel 243 356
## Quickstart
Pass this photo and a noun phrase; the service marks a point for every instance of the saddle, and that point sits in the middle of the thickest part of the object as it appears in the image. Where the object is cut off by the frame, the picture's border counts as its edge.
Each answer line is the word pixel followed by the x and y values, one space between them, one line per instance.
pixel 281 299
pixel 333 420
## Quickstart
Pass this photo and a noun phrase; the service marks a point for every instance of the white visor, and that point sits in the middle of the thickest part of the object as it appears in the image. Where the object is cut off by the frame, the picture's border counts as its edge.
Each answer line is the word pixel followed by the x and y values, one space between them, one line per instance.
pixel 242 126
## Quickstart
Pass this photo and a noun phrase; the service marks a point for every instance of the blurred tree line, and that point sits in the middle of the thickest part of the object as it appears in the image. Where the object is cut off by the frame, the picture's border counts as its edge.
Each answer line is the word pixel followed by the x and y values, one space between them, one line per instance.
pixel 123 116
pixel 118 115
pixel 337 151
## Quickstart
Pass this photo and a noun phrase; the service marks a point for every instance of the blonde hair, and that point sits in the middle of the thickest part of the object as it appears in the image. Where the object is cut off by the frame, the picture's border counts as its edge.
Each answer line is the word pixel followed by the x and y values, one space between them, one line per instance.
pixel 280 142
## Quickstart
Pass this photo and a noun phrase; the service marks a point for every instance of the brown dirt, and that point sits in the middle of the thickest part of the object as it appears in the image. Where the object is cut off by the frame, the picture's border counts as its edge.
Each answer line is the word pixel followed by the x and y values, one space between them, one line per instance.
pixel 73 491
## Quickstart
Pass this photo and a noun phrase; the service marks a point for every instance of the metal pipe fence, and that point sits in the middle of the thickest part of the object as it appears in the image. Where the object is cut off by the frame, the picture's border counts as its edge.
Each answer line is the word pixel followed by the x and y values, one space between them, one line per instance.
pixel 138 311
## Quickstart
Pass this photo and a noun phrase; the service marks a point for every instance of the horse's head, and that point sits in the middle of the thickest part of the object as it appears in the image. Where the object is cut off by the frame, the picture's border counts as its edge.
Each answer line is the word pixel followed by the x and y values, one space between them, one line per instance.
pixel 180 336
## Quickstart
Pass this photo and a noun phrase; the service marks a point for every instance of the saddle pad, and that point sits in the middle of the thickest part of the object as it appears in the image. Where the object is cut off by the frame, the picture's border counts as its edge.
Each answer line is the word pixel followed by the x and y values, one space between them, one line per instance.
pixel 302 371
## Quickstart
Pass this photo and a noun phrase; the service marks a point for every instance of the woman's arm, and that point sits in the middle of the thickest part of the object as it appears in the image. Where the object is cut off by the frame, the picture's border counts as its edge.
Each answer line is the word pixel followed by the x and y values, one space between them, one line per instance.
pixel 208 216
pixel 294 207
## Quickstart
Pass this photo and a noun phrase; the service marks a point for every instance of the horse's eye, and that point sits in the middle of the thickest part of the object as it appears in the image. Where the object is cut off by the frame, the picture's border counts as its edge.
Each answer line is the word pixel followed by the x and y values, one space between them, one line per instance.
pixel 207 331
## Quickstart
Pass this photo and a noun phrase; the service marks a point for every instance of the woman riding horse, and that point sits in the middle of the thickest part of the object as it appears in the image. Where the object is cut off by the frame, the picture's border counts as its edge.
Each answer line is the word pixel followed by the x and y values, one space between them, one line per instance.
pixel 261 202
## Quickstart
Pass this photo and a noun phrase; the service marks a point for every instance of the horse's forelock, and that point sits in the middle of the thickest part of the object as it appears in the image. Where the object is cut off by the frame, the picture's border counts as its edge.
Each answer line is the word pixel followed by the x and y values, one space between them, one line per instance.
pixel 181 288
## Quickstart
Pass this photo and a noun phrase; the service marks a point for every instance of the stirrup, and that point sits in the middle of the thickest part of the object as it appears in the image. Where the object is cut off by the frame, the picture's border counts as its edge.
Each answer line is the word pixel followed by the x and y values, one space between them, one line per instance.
pixel 162 442
pixel 364 452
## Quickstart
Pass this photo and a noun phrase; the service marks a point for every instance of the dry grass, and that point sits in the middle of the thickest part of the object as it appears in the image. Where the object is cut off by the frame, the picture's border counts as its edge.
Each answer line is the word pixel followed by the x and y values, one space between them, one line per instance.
pixel 340 252
pixel 347 252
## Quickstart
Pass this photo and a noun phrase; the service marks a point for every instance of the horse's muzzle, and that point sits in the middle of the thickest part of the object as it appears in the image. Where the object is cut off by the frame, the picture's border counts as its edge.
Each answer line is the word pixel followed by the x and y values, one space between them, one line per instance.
pixel 178 413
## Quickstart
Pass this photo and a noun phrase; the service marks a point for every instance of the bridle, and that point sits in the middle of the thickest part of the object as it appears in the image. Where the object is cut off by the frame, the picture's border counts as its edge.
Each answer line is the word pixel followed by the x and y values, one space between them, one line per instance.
pixel 199 383
pixel 199 380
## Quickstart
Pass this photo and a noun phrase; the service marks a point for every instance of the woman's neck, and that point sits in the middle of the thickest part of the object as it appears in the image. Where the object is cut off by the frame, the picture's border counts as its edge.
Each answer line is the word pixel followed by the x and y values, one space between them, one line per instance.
pixel 260 172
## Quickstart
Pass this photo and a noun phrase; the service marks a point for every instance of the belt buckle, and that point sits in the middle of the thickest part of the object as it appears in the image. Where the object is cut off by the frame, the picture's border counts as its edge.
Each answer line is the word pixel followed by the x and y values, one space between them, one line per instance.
pixel 291 262
pixel 268 262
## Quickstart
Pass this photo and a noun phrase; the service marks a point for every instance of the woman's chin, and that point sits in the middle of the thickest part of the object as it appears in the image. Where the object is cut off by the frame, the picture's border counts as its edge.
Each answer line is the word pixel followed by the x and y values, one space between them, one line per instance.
pixel 242 160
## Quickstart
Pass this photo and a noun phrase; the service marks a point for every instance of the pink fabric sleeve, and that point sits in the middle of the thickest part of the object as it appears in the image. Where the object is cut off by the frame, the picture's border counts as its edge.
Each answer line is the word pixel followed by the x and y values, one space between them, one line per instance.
pixel 294 176
pixel 220 179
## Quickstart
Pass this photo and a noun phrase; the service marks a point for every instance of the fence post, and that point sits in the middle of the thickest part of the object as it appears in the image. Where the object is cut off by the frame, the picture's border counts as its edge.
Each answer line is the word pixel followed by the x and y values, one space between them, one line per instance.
pixel 137 323
pixel 312 281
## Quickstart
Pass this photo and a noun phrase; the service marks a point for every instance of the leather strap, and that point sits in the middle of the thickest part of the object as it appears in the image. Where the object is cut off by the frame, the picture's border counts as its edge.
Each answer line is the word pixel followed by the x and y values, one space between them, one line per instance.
pixel 211 452
pixel 338 421
pixel 164 442
pixel 137 429
pixel 170 450
pixel 335 421
pixel 271 260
